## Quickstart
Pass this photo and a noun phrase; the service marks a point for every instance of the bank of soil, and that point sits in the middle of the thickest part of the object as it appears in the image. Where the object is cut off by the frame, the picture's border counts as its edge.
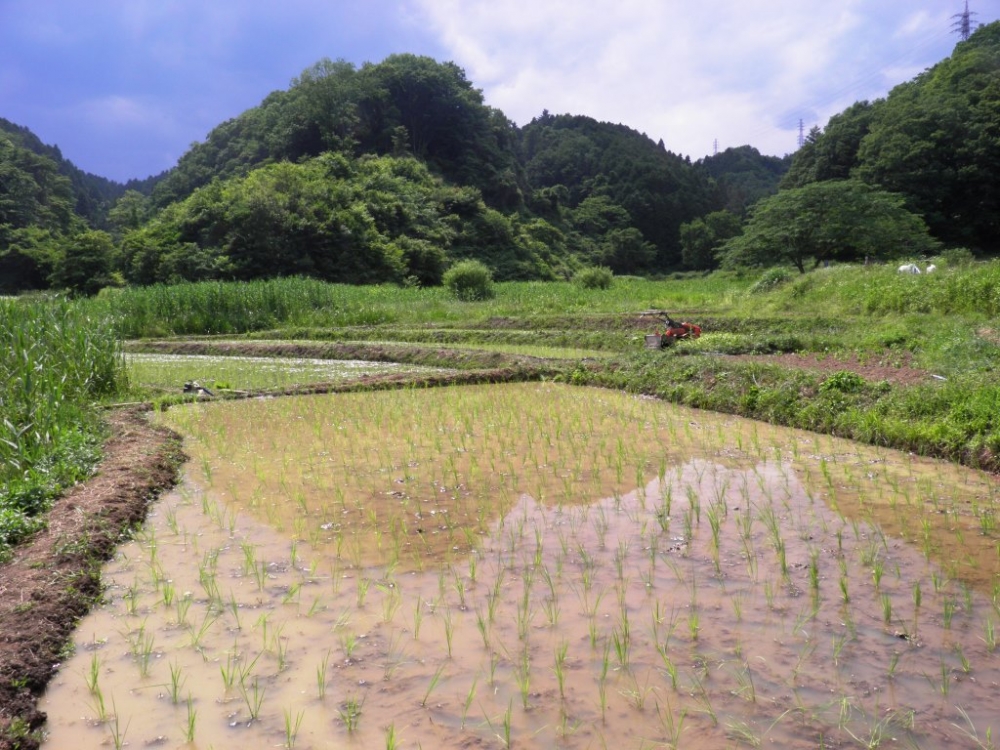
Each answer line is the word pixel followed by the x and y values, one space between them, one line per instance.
pixel 54 579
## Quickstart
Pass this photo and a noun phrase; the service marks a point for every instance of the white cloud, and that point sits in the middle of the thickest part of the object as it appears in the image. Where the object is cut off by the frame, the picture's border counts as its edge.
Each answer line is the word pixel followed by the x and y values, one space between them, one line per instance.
pixel 742 71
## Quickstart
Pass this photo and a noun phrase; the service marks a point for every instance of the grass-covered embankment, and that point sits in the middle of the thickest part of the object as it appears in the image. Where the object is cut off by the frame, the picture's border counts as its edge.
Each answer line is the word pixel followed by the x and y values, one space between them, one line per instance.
pixel 232 308
pixel 943 323
pixel 57 362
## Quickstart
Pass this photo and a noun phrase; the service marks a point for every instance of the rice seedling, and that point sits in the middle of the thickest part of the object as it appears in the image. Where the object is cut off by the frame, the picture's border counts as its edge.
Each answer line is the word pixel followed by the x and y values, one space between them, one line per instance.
pixel 989 635
pixel 522 674
pixel 362 584
pixel 97 702
pixel 253 696
pixel 560 667
pixel 893 664
pixel 886 601
pixel 176 683
pixel 672 725
pixel 198 634
pixel 117 731
pixel 435 678
pixel 191 721
pixel 350 713
pixel 93 674
pixel 621 638
pixel 391 740
pixel 449 630
pixel 349 642
pixel 970 731
pixel 391 601
pixel 321 671
pixel 230 669
pixel 292 726
pixel 744 678
pixel 637 694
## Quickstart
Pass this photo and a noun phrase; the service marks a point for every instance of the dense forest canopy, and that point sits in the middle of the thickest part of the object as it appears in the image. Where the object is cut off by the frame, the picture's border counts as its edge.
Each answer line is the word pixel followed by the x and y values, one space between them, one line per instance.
pixel 393 171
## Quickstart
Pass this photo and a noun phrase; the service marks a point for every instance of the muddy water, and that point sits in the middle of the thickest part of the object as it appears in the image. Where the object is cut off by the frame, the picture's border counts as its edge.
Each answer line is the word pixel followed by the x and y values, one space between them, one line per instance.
pixel 539 566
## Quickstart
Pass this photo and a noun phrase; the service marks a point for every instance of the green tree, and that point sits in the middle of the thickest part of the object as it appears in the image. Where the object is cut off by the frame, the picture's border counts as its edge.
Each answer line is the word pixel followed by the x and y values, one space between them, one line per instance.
pixel 84 266
pixel 130 211
pixel 625 251
pixel 843 220
pixel 469 281
pixel 26 258
pixel 702 238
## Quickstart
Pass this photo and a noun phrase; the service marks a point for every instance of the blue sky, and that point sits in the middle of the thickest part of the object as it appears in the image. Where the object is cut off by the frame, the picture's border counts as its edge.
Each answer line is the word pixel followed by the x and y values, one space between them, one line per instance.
pixel 124 87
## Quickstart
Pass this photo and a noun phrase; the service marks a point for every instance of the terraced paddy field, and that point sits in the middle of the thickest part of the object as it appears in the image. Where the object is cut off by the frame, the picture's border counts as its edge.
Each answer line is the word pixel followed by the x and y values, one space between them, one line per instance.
pixel 512 561
pixel 169 372
pixel 539 565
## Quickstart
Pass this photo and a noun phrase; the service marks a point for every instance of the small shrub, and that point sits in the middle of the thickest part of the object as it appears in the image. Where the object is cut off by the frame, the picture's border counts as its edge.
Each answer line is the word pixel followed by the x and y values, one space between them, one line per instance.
pixel 957 256
pixel 772 279
pixel 843 382
pixel 469 280
pixel 597 277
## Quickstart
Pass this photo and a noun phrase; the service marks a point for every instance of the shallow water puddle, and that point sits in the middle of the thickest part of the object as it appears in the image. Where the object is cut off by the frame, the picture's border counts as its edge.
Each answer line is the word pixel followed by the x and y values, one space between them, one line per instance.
pixel 477 566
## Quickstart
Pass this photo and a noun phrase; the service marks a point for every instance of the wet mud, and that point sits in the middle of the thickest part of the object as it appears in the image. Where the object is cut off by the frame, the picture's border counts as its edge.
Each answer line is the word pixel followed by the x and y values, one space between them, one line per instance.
pixel 538 565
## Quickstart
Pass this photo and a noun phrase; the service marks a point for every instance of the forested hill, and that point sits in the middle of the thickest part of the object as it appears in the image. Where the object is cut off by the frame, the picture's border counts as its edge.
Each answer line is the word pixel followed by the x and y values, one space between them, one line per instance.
pixel 394 171
pixel 404 106
pixel 743 176
pixel 613 184
pixel 91 195
pixel 934 140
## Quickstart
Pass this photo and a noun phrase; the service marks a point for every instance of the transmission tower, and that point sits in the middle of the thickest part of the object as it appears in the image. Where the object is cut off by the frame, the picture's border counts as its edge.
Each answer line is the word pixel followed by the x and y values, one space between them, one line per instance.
pixel 963 22
pixel 802 137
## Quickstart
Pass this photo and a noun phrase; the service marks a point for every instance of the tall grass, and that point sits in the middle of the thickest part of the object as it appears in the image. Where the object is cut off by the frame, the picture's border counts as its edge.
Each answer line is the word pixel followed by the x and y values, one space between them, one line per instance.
pixel 55 362
pixel 972 290
pixel 240 307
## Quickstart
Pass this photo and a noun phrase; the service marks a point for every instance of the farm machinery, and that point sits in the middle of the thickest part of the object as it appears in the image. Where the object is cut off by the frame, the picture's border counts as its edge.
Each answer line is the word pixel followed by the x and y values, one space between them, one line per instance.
pixel 672 331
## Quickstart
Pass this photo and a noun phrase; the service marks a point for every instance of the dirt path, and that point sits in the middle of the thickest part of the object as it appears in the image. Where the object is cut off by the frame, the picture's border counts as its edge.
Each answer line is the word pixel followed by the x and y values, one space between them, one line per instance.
pixel 53 580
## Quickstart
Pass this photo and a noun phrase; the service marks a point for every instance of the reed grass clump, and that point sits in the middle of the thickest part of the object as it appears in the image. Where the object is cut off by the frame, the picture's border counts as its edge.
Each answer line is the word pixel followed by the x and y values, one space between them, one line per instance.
pixel 57 360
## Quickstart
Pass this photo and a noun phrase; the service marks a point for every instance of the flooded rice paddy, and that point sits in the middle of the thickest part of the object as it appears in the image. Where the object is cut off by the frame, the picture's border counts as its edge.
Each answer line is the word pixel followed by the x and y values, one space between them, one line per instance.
pixel 171 371
pixel 539 566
